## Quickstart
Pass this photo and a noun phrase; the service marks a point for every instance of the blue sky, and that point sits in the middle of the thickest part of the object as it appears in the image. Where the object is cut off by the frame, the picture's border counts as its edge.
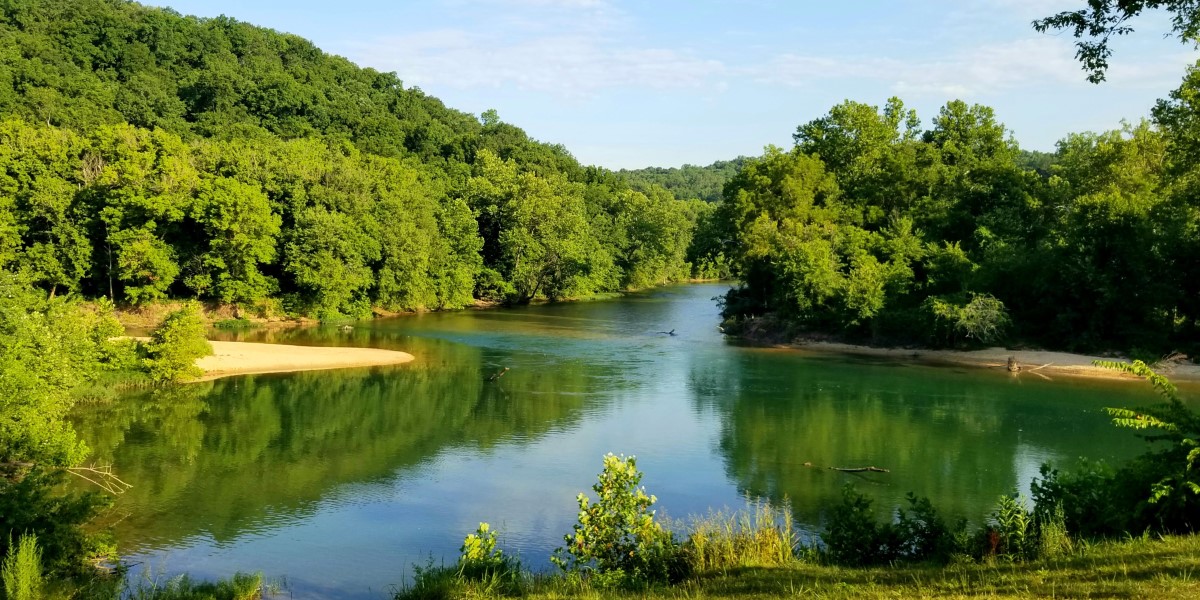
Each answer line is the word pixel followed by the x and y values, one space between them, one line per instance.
pixel 628 84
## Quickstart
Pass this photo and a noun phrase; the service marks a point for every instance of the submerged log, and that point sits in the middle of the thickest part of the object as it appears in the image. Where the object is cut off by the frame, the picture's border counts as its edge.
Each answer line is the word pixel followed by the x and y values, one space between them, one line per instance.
pixel 851 469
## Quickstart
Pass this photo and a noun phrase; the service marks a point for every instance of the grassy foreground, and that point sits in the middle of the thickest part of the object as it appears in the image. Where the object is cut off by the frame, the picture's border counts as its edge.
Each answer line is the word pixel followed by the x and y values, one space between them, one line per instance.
pixel 1140 568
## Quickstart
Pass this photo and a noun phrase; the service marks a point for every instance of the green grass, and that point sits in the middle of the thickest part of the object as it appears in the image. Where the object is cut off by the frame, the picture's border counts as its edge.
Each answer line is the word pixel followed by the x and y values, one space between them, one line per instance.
pixel 234 324
pixel 1138 568
pixel 762 535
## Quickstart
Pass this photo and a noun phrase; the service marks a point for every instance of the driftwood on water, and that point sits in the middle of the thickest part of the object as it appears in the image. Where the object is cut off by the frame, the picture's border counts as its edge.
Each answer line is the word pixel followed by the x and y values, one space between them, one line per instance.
pixel 852 469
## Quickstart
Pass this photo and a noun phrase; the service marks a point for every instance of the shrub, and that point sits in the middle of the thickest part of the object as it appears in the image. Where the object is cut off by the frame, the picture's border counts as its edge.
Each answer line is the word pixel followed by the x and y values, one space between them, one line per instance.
pixel 1167 479
pixel 852 536
pixel 175 345
pixel 22 570
pixel 1012 533
pixel 617 537
pixel 1088 498
pixel 924 535
pixel 1157 491
pixel 481 561
pixel 982 319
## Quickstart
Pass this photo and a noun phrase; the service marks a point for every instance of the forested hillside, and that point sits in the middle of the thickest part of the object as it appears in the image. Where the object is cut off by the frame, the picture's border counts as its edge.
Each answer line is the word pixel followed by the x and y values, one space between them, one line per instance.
pixel 689 181
pixel 147 155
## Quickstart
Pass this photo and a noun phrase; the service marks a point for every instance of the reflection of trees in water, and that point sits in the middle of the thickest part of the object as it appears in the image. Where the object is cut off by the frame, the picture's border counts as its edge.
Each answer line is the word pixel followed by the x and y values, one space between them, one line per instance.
pixel 228 455
pixel 954 439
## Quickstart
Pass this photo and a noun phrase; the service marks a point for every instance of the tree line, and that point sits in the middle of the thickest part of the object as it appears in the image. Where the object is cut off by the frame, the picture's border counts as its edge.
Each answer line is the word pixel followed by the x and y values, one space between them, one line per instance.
pixel 879 229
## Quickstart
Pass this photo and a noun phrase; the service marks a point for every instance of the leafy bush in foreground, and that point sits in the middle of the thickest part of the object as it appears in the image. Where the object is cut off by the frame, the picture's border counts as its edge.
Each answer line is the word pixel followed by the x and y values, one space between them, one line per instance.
pixel 617 541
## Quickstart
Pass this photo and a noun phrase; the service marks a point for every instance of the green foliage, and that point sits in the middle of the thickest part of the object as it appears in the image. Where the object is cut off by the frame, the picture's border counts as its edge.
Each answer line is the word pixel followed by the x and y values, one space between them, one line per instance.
pixel 147 155
pixel 688 182
pixel 175 345
pixel 925 536
pixel 1012 534
pixel 22 570
pixel 1089 497
pixel 853 537
pixel 32 505
pixel 874 230
pixel 617 539
pixel 1172 502
pixel 1096 24
pixel 982 320
pixel 481 561
pixel 48 349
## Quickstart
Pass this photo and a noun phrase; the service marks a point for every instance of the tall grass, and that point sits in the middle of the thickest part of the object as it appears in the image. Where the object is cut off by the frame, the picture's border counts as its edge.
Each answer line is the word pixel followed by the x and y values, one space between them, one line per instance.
pixel 22 570
pixel 759 535
pixel 242 586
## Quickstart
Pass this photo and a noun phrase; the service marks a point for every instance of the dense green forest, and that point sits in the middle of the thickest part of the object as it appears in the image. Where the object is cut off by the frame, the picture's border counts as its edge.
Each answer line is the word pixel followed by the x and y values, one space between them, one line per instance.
pixel 879 229
pixel 148 155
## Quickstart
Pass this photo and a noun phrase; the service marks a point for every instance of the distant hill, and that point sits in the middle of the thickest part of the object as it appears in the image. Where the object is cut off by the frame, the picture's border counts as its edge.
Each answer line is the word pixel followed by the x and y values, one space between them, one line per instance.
pixel 689 181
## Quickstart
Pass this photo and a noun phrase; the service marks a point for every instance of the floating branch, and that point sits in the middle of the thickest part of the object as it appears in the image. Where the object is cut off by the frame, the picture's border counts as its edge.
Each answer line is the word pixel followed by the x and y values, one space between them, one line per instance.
pixel 101 477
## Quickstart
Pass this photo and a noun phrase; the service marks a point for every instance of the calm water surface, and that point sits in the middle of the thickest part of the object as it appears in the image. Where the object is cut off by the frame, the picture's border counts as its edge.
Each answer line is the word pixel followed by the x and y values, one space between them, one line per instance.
pixel 340 481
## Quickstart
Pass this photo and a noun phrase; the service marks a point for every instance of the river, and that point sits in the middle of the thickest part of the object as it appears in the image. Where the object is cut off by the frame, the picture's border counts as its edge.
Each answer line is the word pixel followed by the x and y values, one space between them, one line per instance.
pixel 338 482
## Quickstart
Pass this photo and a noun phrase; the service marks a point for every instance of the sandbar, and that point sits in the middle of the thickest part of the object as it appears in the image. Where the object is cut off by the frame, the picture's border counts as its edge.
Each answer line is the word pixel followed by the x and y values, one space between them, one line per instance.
pixel 244 358
pixel 1032 362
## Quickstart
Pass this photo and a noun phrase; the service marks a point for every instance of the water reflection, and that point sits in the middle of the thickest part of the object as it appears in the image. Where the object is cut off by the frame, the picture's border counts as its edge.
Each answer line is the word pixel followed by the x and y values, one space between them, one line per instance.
pixel 339 479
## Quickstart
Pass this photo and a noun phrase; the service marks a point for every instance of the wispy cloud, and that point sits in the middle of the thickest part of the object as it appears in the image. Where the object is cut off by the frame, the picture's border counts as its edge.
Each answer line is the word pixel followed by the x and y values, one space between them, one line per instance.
pixel 1026 62
pixel 570 48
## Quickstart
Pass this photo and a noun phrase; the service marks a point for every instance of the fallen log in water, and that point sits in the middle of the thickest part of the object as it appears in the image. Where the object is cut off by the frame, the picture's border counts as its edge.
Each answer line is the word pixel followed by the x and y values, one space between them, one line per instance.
pixel 851 469
pixel 859 469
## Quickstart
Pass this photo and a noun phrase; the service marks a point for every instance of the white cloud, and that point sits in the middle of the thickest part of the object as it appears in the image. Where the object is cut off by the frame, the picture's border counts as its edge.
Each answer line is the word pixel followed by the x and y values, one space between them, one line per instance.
pixel 1008 65
pixel 567 65
pixel 570 48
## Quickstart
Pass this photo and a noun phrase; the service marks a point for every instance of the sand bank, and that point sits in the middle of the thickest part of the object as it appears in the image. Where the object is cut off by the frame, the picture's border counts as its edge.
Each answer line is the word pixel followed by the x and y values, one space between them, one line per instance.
pixel 243 358
pixel 1031 361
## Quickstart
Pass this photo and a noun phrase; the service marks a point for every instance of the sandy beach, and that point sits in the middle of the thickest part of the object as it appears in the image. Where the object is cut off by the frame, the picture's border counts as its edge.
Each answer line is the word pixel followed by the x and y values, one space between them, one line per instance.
pixel 1032 362
pixel 243 358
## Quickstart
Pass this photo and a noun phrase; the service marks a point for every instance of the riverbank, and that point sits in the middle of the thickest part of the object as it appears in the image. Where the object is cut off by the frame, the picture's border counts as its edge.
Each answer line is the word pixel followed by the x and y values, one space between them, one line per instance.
pixel 245 358
pixel 1031 362
pixel 1134 568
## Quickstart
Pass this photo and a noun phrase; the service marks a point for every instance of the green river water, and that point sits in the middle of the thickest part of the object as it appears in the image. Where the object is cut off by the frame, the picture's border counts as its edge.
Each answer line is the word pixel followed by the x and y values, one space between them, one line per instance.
pixel 339 481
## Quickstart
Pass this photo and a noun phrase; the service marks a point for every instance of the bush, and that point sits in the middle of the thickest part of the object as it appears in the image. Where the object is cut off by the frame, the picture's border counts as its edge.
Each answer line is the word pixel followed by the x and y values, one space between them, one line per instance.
pixel 852 536
pixel 175 345
pixel 982 319
pixel 1158 491
pixel 1012 534
pixel 617 538
pixel 481 561
pixel 1088 498
pixel 22 570
pixel 924 535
